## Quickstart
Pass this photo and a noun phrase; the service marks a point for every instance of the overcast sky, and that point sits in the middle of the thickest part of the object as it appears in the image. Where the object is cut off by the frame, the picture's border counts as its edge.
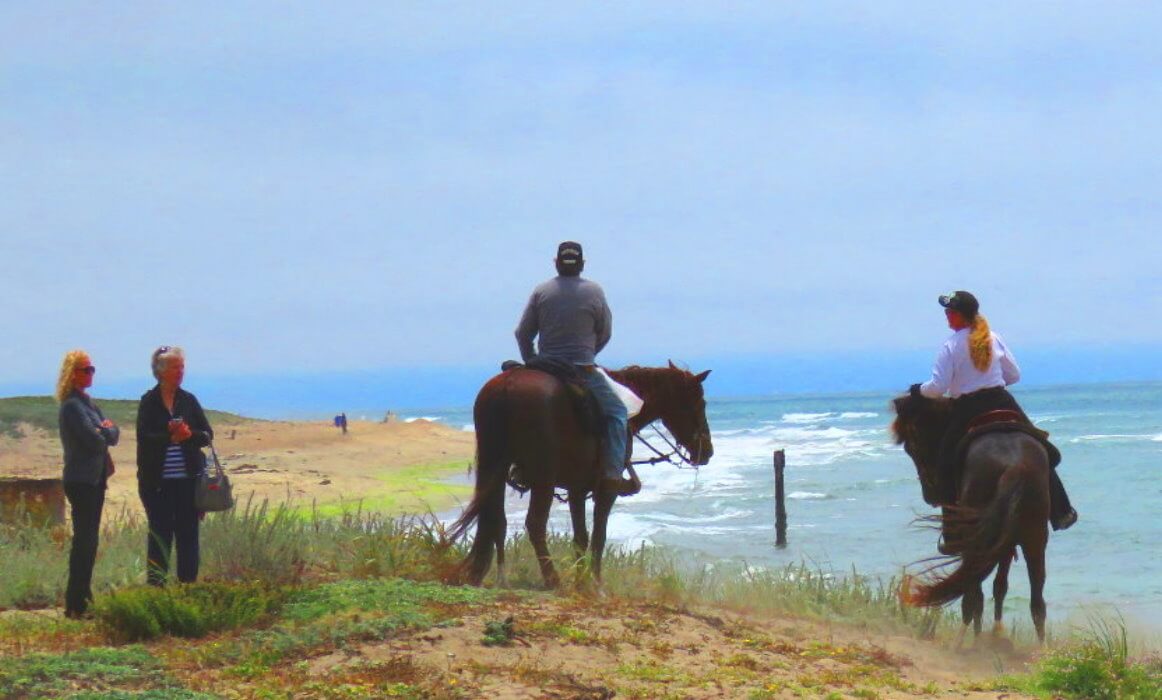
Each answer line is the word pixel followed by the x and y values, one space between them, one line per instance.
pixel 283 186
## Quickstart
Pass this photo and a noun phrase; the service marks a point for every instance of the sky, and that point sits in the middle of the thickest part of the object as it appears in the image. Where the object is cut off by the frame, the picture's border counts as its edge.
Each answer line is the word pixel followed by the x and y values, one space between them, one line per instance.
pixel 288 188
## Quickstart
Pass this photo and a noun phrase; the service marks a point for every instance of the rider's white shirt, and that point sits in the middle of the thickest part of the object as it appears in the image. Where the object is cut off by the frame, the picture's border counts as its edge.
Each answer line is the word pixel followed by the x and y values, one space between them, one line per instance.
pixel 955 374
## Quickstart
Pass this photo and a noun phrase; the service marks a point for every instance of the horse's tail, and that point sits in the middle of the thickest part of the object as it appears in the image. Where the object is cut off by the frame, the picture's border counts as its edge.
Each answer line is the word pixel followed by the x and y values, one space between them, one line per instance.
pixel 992 534
pixel 486 508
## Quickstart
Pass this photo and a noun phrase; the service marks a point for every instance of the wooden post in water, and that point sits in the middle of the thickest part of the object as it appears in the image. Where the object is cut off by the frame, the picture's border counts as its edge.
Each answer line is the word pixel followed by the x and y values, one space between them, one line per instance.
pixel 780 501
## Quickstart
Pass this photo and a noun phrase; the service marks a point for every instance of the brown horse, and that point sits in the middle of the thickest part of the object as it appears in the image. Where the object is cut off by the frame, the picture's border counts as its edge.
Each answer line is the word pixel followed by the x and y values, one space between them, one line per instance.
pixel 527 422
pixel 1002 503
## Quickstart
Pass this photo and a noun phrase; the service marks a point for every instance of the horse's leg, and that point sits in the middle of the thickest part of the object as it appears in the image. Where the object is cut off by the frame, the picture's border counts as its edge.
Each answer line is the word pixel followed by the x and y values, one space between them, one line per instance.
pixel 580 529
pixel 1000 590
pixel 537 522
pixel 500 534
pixel 602 505
pixel 971 609
pixel 1035 563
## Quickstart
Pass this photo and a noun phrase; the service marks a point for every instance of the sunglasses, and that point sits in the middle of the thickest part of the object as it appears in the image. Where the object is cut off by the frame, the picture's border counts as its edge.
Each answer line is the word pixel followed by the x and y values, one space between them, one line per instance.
pixel 87 370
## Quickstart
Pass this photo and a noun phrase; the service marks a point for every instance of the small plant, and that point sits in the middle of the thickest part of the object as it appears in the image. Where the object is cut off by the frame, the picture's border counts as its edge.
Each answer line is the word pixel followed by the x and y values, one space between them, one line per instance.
pixel 498 633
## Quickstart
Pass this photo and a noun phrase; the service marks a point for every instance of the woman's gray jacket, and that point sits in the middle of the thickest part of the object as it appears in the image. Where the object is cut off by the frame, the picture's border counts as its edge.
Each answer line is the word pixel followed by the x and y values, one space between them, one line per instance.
pixel 86 442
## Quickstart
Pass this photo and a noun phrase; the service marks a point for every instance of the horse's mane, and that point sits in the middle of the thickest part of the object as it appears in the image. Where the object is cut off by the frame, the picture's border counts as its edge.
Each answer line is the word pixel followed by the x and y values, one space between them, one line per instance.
pixel 919 426
pixel 917 416
pixel 651 380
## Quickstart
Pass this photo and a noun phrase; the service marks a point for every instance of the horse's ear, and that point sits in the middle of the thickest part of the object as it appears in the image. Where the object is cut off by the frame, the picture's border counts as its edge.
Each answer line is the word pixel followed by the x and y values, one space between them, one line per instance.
pixel 671 364
pixel 702 377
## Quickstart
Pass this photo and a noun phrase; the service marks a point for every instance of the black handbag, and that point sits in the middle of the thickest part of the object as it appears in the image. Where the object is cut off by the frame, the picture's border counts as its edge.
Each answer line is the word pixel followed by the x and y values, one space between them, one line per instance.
pixel 213 492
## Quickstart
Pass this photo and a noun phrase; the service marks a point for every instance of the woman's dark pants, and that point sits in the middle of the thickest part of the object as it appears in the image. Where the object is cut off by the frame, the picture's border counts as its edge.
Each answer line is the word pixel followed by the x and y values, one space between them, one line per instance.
pixel 86 502
pixel 172 517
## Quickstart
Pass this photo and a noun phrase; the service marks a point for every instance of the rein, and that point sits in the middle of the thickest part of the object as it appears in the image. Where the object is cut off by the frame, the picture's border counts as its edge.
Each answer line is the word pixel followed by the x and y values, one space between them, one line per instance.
pixel 668 457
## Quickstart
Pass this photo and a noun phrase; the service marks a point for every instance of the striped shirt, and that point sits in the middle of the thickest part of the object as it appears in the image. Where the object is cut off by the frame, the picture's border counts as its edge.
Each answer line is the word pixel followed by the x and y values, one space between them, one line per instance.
pixel 174 466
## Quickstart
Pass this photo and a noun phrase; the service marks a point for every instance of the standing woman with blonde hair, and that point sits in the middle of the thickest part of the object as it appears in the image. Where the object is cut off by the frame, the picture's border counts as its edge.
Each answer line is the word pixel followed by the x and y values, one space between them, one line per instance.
pixel 86 436
pixel 171 431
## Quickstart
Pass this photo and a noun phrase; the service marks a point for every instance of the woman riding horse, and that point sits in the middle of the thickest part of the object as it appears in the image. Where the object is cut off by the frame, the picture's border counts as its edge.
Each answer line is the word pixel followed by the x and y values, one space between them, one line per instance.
pixel 973 367
pixel 1002 504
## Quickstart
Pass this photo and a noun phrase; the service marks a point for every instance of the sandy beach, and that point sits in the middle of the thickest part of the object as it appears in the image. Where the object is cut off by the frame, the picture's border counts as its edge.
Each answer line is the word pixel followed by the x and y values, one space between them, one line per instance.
pixel 393 468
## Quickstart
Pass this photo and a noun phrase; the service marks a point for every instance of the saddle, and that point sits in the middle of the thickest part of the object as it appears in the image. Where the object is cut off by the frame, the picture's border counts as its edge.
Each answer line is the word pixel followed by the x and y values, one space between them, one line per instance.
pixel 584 402
pixel 1002 421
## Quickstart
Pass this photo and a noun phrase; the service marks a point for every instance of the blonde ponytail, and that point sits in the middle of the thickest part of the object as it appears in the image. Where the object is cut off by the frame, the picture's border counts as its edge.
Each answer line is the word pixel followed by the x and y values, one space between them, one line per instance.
pixel 980 343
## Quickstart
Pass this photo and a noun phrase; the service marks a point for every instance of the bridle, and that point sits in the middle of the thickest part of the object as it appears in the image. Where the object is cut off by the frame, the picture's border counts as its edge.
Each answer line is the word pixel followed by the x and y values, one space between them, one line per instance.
pixel 684 458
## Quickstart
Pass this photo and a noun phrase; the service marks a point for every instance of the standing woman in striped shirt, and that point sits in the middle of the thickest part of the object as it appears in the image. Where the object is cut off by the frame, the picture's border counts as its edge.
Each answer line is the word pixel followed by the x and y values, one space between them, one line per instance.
pixel 171 431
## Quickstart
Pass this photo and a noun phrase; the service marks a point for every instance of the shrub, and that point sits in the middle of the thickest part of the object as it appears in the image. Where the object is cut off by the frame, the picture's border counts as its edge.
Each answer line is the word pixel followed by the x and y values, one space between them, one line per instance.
pixel 190 610
pixel 1099 667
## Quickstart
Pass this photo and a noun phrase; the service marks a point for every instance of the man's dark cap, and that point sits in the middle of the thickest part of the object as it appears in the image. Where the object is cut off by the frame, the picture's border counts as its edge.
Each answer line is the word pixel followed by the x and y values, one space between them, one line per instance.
pixel 961 301
pixel 569 253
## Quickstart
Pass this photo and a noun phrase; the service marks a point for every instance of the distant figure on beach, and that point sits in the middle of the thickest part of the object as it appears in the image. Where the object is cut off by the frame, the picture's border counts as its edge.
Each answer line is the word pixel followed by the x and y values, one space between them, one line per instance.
pixel 973 367
pixel 343 422
pixel 86 436
pixel 172 429
pixel 574 323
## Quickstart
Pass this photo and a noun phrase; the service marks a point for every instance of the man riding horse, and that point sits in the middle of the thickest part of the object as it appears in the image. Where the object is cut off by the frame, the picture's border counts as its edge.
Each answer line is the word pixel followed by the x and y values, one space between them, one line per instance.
pixel 574 323
pixel 973 367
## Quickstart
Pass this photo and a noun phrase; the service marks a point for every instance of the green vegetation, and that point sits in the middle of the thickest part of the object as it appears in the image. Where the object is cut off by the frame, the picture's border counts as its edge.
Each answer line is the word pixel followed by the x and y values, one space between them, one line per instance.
pixel 98 672
pixel 1096 666
pixel 289 602
pixel 499 633
pixel 140 613
pixel 416 488
pixel 41 412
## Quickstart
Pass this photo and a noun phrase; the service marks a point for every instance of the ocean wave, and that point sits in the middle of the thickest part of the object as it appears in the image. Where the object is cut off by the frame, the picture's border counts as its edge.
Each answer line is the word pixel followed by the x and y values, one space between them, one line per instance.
pixel 858 414
pixel 807 495
pixel 676 518
pixel 806 417
pixel 804 446
pixel 430 419
pixel 1115 437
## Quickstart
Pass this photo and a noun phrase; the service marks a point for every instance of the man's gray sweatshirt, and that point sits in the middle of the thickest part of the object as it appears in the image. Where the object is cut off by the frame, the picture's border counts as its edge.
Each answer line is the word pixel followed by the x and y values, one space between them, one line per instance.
pixel 570 316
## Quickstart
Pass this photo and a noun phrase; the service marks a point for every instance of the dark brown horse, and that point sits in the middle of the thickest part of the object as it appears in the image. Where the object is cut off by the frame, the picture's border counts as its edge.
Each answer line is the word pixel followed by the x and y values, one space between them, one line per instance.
pixel 1002 503
pixel 526 421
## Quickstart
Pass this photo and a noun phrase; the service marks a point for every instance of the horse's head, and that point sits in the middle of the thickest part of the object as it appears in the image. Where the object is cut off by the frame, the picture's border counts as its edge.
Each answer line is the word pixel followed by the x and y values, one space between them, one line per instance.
pixel 674 396
pixel 919 426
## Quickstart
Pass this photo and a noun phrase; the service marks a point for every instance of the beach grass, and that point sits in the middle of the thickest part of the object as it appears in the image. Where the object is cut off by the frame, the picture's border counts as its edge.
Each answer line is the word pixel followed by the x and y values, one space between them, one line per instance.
pixel 275 543
pixel 280 589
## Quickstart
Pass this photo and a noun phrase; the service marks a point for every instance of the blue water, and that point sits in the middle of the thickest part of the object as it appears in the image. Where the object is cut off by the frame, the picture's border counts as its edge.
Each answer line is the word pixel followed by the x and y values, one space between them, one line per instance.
pixel 852 495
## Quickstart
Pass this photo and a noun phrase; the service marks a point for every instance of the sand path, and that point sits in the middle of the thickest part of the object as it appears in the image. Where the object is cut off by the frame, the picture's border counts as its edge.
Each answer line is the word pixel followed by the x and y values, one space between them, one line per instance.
pixel 390 467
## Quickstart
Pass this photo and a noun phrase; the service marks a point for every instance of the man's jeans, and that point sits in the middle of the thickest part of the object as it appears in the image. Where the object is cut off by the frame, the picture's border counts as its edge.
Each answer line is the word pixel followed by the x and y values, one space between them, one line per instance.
pixel 616 420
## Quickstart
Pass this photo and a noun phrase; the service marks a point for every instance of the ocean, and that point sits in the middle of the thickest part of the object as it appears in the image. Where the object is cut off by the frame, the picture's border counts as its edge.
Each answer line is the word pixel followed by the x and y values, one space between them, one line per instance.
pixel 852 495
